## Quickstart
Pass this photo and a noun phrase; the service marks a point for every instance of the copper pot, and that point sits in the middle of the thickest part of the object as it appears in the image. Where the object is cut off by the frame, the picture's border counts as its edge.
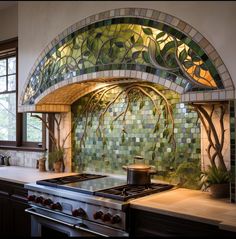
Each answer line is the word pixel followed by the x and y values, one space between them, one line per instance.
pixel 139 174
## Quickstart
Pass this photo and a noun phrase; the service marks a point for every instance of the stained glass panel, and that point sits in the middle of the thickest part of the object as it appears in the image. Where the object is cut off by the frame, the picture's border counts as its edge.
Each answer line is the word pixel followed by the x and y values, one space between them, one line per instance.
pixel 117 45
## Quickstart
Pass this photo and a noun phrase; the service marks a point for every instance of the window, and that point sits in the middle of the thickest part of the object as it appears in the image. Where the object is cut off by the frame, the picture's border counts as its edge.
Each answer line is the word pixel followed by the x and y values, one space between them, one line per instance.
pixel 16 129
pixel 32 128
pixel 8 95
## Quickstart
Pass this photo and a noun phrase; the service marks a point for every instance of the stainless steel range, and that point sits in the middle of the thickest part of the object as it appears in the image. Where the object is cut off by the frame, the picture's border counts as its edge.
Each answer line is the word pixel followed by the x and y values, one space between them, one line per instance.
pixel 84 205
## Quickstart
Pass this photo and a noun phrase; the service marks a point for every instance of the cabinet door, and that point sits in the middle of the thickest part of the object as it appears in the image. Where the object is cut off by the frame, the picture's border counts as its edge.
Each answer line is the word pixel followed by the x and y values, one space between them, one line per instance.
pixel 4 214
pixel 20 223
pixel 154 224
pixel 13 202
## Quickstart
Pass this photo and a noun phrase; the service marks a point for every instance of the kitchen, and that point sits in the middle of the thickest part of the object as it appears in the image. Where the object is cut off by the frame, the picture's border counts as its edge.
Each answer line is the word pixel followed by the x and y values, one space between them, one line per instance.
pixel 136 104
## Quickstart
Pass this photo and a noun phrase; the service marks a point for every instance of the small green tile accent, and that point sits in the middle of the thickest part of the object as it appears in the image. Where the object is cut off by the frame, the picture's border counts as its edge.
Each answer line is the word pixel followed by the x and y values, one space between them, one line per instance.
pixel 140 139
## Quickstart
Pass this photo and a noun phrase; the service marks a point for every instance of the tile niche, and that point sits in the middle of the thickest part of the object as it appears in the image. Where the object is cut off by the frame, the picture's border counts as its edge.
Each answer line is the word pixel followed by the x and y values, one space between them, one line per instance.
pixel 179 165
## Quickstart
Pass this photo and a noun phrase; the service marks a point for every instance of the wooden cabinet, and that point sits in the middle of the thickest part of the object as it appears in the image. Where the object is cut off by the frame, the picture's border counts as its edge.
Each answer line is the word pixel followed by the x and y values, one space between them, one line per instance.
pixel 4 213
pixel 145 223
pixel 13 202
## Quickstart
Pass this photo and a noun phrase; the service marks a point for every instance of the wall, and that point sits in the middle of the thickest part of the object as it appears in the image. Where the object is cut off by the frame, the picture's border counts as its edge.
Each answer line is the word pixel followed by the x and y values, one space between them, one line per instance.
pixel 22 158
pixel 40 22
pixel 138 134
pixel 8 23
pixel 8 30
pixel 204 140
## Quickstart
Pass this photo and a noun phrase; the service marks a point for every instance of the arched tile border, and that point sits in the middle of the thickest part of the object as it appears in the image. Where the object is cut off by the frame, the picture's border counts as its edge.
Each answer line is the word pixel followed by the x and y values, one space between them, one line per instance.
pixel 226 94
pixel 129 75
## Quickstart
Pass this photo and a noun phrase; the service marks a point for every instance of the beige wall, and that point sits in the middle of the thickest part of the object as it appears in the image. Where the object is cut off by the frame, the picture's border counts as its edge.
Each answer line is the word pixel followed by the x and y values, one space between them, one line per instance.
pixel 40 22
pixel 204 140
pixel 8 23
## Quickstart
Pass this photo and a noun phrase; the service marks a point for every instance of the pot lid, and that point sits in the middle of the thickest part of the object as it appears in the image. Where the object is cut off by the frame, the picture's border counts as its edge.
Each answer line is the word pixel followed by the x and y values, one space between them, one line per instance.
pixel 139 166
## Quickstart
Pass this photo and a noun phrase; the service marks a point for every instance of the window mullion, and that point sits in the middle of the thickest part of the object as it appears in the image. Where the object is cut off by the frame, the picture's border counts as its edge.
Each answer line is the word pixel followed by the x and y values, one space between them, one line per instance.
pixel 19 128
pixel 7 75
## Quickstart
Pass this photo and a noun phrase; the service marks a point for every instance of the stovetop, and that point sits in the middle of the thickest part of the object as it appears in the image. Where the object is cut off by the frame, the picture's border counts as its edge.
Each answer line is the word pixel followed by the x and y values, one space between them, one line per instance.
pixel 104 186
pixel 55 182
pixel 125 192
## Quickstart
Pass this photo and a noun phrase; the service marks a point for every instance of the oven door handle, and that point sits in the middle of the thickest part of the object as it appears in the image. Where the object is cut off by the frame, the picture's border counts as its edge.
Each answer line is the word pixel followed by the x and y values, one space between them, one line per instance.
pixel 84 227
pixel 32 212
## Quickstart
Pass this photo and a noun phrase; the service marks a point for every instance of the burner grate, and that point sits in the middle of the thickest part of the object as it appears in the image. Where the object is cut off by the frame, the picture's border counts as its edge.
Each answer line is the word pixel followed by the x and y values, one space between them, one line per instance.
pixel 54 182
pixel 125 192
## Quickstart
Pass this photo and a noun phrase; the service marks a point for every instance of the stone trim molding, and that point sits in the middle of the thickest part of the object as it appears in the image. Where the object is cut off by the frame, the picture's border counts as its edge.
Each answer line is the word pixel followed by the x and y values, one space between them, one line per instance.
pixel 154 15
pixel 126 76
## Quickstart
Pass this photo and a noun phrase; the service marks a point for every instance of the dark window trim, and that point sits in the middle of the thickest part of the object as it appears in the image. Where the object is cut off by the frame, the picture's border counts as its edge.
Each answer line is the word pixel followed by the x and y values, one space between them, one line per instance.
pixel 8 55
pixel 7 45
pixel 6 51
pixel 42 144
pixel 22 148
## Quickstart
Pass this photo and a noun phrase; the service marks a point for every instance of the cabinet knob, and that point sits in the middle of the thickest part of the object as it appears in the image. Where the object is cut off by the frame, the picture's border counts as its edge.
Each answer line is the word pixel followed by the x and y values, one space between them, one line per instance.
pixel 78 212
pixel 39 199
pixel 47 202
pixel 31 198
pixel 115 219
pixel 97 215
pixel 56 206
pixel 106 217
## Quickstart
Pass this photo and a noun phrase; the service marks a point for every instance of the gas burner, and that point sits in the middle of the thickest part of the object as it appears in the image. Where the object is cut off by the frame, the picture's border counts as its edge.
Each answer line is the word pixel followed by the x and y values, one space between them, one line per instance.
pixel 55 182
pixel 125 192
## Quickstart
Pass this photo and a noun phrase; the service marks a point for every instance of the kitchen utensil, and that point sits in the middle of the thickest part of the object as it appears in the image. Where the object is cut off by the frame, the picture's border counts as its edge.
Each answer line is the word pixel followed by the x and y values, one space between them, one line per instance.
pixel 139 173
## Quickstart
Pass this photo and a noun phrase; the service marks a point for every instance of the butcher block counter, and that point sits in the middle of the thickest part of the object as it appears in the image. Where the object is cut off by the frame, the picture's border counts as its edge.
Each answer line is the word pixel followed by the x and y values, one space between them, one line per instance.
pixel 189 204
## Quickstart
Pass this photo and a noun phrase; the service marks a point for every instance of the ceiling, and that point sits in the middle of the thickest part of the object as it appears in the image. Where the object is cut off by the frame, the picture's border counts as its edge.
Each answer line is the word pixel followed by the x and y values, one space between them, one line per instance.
pixel 5 4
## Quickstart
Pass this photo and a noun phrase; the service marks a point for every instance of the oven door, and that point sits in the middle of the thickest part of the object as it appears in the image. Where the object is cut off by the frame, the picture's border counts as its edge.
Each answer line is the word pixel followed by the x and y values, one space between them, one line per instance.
pixel 47 223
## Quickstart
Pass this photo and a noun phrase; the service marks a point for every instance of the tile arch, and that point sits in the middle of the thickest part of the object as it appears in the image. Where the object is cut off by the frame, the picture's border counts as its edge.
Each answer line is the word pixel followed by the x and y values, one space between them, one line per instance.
pixel 154 16
pixel 54 97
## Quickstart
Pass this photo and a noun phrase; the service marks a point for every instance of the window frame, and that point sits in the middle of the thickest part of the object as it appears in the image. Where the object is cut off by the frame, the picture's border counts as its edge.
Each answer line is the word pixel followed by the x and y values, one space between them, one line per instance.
pixel 19 144
pixel 24 132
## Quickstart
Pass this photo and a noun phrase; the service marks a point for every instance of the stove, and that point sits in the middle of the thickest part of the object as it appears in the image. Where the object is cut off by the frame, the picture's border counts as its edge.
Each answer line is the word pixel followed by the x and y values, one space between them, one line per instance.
pixel 56 182
pixel 126 192
pixel 88 203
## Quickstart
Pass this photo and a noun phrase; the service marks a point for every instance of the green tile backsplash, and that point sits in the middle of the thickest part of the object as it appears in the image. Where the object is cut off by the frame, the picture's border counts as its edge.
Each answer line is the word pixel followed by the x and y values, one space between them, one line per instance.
pixel 181 165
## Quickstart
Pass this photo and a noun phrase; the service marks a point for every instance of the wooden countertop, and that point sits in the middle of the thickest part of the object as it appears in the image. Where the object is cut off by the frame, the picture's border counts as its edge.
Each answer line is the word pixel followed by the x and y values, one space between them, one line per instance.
pixel 190 204
pixel 24 175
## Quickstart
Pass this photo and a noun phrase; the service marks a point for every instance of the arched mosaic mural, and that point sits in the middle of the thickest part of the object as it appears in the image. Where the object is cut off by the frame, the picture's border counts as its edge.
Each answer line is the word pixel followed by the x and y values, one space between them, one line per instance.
pixel 126 43
pixel 139 44
pixel 117 122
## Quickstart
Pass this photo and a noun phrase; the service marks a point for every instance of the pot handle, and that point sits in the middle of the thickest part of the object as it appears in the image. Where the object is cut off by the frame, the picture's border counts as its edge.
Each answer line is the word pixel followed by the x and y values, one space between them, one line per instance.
pixel 138 157
pixel 152 170
pixel 124 167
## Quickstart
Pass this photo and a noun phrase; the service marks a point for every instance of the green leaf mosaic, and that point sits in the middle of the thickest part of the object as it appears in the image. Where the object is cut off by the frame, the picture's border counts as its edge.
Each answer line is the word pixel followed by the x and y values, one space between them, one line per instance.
pixel 118 44
pixel 138 134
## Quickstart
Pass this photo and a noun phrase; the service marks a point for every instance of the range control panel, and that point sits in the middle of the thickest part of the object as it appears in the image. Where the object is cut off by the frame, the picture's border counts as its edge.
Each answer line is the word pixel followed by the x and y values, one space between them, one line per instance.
pixel 79 209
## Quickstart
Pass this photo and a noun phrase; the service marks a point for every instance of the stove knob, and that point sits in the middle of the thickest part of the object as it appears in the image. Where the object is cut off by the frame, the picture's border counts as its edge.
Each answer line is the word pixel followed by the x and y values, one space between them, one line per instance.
pixel 115 219
pixel 56 206
pixel 97 215
pixel 106 217
pixel 78 212
pixel 47 202
pixel 39 200
pixel 31 198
